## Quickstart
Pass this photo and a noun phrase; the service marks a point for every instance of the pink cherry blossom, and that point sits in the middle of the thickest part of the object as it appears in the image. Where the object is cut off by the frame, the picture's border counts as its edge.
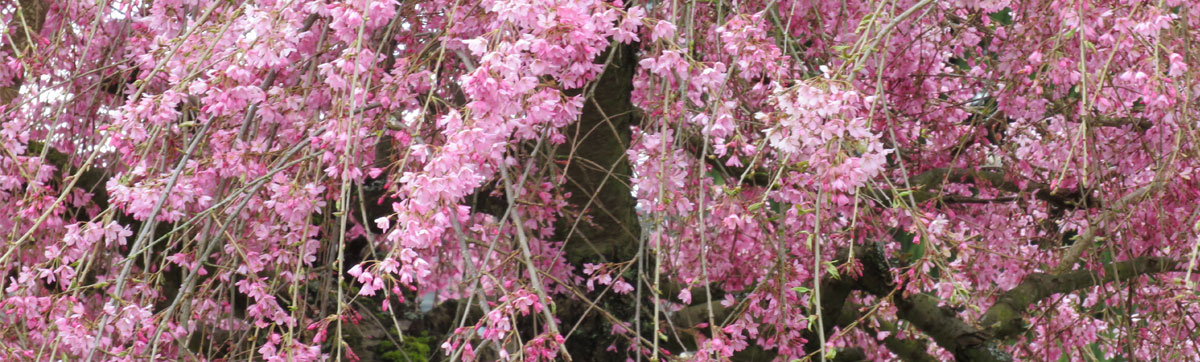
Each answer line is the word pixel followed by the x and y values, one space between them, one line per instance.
pixel 598 180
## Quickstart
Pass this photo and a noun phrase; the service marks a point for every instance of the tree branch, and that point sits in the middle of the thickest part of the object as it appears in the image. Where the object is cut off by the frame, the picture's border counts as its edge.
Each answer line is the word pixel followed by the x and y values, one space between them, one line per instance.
pixel 967 341
pixel 1139 124
pixel 910 350
pixel 934 178
pixel 924 311
pixel 1004 319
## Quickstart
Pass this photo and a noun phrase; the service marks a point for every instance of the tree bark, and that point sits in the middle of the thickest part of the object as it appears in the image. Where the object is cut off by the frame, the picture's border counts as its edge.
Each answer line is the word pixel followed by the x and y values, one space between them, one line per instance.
pixel 606 228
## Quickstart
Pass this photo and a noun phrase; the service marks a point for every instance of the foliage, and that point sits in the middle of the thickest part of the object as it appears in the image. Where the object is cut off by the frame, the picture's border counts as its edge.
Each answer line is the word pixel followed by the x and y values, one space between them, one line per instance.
pixel 413 349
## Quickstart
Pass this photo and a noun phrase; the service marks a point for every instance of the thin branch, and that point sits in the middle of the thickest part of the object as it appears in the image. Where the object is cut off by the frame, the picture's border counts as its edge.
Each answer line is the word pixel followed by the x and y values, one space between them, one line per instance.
pixel 534 279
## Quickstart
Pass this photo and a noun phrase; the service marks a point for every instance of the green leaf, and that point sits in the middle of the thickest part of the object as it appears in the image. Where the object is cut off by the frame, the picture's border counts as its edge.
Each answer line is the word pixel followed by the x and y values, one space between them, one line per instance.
pixel 801 166
pixel 832 270
pixel 718 178
pixel 775 207
pixel 911 249
pixel 1004 17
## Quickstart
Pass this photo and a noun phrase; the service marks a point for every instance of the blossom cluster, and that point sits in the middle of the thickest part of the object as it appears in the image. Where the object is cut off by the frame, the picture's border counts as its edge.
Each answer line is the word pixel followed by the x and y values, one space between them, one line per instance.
pixel 180 176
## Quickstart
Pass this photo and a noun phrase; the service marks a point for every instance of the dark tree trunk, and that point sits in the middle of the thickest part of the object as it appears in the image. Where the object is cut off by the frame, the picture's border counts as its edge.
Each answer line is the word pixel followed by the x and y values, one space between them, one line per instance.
pixel 597 177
